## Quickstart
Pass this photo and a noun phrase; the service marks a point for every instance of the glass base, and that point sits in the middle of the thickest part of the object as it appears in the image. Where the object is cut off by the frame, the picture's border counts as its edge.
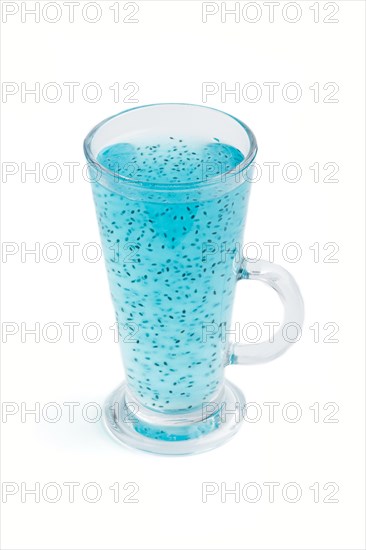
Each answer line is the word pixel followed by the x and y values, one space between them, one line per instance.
pixel 185 433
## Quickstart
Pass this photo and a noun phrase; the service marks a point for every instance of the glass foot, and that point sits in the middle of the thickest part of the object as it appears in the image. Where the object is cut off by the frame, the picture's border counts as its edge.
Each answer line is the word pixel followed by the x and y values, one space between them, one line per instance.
pixel 174 434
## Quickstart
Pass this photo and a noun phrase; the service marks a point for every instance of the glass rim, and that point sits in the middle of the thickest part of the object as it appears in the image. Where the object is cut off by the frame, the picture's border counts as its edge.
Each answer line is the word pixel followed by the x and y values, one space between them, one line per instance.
pixel 219 178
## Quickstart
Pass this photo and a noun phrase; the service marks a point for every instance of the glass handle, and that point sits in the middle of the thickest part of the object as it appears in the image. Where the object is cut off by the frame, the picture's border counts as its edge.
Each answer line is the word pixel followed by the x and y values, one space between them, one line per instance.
pixel 285 285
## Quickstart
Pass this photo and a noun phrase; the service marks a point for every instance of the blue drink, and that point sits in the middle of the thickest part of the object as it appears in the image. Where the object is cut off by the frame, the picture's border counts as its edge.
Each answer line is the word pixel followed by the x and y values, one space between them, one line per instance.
pixel 172 264
pixel 171 184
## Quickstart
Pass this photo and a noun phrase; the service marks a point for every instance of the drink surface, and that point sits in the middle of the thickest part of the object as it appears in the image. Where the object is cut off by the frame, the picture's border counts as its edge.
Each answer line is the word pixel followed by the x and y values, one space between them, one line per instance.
pixel 172 268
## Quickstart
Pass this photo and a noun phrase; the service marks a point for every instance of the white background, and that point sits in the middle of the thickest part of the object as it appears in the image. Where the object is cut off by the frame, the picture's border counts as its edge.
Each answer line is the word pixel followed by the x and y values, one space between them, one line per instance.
pixel 169 53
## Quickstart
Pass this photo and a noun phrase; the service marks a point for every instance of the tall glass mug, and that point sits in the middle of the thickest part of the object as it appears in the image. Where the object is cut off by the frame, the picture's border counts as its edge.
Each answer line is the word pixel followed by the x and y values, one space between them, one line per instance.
pixel 171 186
